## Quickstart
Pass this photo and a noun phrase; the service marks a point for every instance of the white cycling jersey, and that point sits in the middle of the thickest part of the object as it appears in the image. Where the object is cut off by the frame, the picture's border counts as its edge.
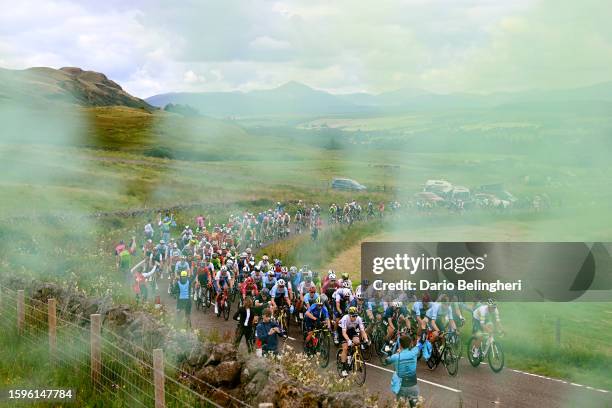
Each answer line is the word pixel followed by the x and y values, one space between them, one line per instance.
pixel 228 277
pixel 347 324
pixel 481 313
pixel 339 294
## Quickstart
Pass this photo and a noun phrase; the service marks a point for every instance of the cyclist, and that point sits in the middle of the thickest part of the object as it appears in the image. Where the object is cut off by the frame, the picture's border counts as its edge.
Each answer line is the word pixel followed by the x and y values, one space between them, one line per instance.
pixel 395 315
pixel 315 315
pixel 419 309
pixel 223 280
pixel 486 316
pixel 248 287
pixel 439 315
pixel 183 288
pixel 311 297
pixel 181 266
pixel 203 277
pixel 269 280
pixel 341 299
pixel 279 295
pixel 262 302
pixel 350 330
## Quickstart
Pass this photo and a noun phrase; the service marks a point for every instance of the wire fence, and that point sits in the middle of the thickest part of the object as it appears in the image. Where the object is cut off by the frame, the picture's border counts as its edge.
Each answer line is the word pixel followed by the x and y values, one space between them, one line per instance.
pixel 77 346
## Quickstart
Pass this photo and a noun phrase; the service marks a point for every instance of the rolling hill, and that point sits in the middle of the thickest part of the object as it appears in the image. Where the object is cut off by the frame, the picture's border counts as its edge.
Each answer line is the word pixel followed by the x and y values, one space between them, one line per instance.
pixel 299 99
pixel 65 85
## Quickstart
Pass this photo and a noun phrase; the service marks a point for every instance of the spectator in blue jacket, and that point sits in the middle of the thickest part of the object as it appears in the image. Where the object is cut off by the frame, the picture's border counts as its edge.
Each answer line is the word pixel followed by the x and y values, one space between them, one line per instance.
pixel 268 332
pixel 405 363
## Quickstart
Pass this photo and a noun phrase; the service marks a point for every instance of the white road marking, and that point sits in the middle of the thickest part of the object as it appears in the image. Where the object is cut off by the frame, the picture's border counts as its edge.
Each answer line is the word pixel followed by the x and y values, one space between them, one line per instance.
pixel 561 381
pixel 418 379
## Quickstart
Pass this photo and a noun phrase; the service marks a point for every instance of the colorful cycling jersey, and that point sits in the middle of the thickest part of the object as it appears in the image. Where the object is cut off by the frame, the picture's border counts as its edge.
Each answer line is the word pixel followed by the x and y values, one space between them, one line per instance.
pixel 318 311
pixel 225 278
pixel 308 299
pixel 277 292
pixel 181 266
pixel 482 313
pixel 304 286
pixel 347 324
pixel 419 310
pixel 395 313
pixel 161 251
pixel 437 310
pixel 268 282
pixel 340 295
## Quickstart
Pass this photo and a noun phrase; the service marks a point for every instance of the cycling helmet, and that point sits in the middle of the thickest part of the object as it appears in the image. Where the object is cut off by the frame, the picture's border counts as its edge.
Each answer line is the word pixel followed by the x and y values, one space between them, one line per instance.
pixel 248 250
pixel 322 299
pixel 257 277
pixel 243 255
pixel 265 291
pixel 307 278
pixel 224 268
pixel 265 257
pixel 277 262
pixel 396 304
pixel 183 274
pixel 229 263
pixel 365 282
pixel 256 267
pixel 330 272
pixel 332 277
pixel 346 284
pixel 359 295
pixel 284 270
pixel 183 257
pixel 345 276
pixel 293 270
pixel 352 311
pixel 281 282
pixel 249 281
pixel 271 273
pixel 491 302
pixel 312 289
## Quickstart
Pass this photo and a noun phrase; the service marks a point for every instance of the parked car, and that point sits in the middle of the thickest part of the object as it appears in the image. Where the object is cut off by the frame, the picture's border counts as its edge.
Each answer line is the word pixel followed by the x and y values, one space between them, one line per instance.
pixel 347 184
pixel 461 193
pixel 440 187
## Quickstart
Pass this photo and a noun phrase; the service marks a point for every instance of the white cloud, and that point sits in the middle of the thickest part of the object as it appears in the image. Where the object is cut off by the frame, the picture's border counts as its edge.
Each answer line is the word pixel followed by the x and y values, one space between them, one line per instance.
pixel 474 45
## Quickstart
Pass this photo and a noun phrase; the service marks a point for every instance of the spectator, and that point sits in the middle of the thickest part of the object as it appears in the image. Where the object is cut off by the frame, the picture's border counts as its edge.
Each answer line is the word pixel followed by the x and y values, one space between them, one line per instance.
pixel 405 361
pixel 245 315
pixel 267 333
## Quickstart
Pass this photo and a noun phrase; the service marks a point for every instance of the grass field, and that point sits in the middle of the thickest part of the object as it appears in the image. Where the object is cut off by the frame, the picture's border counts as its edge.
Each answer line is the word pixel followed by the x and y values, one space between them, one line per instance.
pixel 73 163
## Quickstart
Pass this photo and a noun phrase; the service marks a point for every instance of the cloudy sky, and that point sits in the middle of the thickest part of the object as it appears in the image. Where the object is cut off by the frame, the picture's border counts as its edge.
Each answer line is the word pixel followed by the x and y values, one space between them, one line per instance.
pixel 152 47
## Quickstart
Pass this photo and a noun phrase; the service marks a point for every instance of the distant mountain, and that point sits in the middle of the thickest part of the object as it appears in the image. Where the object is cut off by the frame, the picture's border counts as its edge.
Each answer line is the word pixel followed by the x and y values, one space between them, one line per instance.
pixel 68 84
pixel 297 98
pixel 290 98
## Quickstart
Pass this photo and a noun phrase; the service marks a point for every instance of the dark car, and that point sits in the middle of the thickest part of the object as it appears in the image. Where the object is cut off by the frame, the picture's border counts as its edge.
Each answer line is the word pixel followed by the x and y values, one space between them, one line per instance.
pixel 347 184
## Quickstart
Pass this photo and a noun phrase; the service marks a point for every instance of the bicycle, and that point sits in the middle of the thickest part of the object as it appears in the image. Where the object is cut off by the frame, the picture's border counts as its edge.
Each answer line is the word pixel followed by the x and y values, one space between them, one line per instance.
pixel 443 353
pixel 355 362
pixel 225 305
pixel 283 320
pixel 493 351
pixel 319 342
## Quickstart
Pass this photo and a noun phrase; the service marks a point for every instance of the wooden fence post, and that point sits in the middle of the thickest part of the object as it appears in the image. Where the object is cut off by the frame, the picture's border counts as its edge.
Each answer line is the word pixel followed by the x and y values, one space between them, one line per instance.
pixel 20 310
pixel 52 320
pixel 96 352
pixel 158 378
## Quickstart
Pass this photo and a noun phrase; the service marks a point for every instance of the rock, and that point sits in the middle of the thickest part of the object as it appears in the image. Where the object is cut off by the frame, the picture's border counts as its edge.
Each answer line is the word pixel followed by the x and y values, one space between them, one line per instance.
pixel 228 372
pixel 253 367
pixel 199 355
pixel 209 376
pixel 222 352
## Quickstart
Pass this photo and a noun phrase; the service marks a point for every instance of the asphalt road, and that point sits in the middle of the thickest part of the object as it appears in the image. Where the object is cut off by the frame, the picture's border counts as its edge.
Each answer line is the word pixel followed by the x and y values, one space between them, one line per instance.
pixel 472 387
